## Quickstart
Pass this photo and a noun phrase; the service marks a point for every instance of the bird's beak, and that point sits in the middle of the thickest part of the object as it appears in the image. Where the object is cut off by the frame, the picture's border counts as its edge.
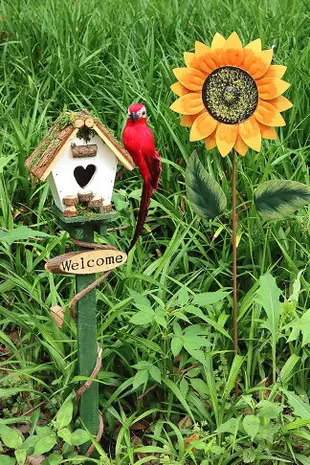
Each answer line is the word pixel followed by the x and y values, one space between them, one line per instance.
pixel 134 116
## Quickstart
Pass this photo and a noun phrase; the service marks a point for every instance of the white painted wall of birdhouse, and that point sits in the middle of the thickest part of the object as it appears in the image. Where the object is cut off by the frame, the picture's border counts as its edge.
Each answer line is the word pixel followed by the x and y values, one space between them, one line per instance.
pixel 63 182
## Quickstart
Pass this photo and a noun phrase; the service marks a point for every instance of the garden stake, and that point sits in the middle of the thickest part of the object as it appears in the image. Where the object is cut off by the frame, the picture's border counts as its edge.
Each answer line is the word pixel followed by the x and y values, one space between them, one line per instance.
pixel 79 158
pixel 231 97
pixel 87 339
pixel 89 353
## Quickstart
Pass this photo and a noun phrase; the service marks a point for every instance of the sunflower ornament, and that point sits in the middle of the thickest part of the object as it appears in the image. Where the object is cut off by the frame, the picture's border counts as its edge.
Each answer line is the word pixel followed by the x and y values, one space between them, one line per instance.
pixel 230 95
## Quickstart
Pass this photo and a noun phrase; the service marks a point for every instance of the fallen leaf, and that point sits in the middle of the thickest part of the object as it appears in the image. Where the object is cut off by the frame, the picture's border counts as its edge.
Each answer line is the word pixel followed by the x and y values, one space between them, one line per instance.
pixel 58 315
pixel 24 428
pixel 185 422
pixel 190 439
pixel 136 441
pixel 140 426
pixel 35 459
pixel 14 336
pixel 16 213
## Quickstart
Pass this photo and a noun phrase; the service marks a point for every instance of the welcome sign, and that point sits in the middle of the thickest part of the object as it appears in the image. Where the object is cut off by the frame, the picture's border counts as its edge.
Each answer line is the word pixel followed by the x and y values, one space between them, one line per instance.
pixel 86 262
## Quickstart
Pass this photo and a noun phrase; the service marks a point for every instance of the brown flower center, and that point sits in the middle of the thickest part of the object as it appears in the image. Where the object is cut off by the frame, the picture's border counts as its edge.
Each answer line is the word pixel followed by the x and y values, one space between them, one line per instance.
pixel 230 94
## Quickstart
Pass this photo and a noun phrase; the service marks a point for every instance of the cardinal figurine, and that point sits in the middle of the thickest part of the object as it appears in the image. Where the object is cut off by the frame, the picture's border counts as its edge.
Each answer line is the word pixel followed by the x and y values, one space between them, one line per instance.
pixel 138 140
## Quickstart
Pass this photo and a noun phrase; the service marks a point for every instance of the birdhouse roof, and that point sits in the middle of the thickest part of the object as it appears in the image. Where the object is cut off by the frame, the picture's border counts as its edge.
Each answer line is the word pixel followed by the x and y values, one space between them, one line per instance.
pixel 44 157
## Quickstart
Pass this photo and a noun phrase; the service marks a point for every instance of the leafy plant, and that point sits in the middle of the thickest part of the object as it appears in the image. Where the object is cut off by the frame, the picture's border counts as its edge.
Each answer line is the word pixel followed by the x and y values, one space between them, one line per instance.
pixel 20 234
pixel 44 442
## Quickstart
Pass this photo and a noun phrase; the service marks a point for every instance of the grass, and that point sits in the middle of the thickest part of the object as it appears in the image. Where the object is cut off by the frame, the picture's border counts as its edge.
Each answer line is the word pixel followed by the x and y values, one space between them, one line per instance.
pixel 59 55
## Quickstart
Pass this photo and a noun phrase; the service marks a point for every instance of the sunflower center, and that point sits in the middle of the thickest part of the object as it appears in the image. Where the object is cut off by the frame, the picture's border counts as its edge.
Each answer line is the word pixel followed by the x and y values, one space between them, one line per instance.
pixel 230 94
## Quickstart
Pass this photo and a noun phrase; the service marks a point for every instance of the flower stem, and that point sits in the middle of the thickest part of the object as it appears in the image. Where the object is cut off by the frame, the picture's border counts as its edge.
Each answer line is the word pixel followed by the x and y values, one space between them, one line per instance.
pixel 234 250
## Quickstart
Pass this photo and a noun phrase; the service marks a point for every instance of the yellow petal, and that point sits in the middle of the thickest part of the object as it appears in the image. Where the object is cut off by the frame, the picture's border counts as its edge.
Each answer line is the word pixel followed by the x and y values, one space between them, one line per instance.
pixel 189 104
pixel 226 135
pixel 187 120
pixel 233 52
pixel 233 41
pixel 208 60
pixel 240 146
pixel 190 78
pixel 190 60
pixel 275 71
pixel 202 127
pixel 256 64
pixel 178 89
pixel 255 46
pixel 270 88
pixel 218 41
pixel 210 141
pixel 281 103
pixel 268 132
pixel 250 133
pixel 233 56
pixel 267 114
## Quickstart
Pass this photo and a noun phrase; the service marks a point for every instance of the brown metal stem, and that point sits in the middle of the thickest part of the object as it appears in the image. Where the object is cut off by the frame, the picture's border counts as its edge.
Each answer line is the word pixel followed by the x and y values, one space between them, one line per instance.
pixel 234 250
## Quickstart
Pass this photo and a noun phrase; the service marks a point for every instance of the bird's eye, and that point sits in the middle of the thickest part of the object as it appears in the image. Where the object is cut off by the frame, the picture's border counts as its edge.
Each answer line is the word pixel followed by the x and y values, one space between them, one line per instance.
pixel 143 113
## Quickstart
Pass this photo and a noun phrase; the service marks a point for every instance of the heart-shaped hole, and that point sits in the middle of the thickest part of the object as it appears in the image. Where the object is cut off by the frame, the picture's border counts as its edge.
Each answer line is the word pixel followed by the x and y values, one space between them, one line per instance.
pixel 84 175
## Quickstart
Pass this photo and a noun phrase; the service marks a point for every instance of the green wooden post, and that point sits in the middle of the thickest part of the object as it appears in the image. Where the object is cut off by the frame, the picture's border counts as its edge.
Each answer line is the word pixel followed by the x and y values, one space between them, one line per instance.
pixel 87 339
pixel 82 228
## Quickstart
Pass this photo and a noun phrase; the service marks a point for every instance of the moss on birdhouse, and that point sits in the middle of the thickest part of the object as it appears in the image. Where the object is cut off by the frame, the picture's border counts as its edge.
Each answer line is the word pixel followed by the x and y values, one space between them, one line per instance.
pixel 65 119
pixel 67 123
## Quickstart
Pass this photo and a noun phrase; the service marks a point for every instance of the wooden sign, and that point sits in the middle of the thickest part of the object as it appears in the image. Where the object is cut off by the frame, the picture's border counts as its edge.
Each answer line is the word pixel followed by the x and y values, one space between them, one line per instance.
pixel 86 262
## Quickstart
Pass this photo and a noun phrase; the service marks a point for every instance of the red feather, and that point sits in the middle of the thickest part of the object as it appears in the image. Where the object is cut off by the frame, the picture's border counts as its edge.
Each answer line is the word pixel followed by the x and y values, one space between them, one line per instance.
pixel 138 139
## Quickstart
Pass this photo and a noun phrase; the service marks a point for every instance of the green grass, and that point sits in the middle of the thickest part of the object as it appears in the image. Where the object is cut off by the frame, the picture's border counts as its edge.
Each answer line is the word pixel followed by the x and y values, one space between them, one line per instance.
pixel 58 55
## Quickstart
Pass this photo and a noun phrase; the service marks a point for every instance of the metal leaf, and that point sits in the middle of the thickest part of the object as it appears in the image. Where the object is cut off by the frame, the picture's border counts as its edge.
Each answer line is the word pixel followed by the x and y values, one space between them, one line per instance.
pixel 204 193
pixel 280 198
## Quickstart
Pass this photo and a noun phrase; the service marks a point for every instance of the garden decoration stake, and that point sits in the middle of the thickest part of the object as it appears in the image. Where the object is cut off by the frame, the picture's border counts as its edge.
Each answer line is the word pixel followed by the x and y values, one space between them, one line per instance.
pixel 79 157
pixel 139 141
pixel 230 97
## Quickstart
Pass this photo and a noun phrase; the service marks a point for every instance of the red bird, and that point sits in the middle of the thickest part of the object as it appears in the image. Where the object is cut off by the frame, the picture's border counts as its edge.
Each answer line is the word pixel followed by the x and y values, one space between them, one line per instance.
pixel 138 139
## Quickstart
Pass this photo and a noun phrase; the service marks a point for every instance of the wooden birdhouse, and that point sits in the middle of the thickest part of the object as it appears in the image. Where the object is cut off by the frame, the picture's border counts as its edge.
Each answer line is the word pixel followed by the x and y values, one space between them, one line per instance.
pixel 78 157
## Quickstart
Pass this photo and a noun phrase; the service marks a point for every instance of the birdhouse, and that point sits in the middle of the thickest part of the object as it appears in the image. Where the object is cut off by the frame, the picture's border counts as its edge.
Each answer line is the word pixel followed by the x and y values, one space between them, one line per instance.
pixel 78 157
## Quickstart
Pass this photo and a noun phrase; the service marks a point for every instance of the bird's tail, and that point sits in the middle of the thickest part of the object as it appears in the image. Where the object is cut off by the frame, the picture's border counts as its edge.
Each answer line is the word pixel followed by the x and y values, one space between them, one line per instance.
pixel 147 192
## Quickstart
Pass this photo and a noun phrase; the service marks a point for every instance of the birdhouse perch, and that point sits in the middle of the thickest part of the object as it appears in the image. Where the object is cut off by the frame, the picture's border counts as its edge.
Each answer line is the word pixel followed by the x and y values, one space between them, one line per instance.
pixel 78 157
